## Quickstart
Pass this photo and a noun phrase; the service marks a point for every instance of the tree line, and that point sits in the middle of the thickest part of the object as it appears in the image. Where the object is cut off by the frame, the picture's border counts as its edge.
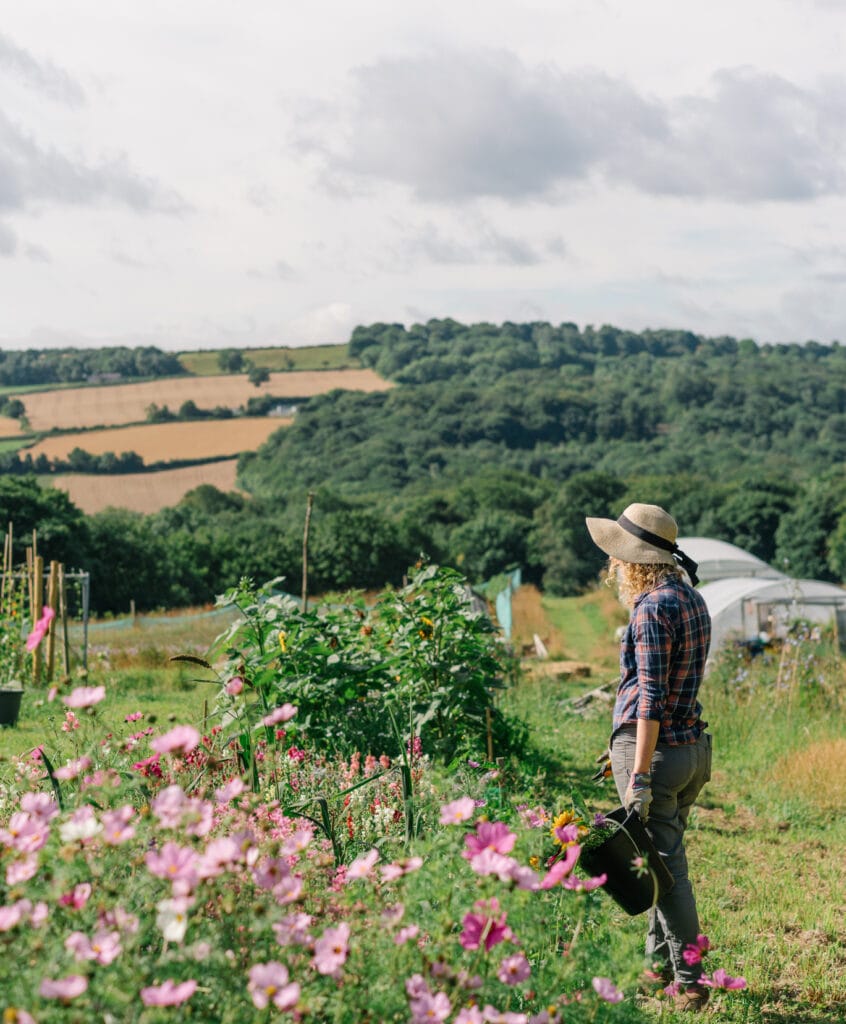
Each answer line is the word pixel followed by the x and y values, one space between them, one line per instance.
pixel 25 367
pixel 489 452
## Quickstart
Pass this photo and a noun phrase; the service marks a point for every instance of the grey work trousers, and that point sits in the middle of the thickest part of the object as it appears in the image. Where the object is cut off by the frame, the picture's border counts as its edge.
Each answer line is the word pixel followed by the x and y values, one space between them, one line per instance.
pixel 678 774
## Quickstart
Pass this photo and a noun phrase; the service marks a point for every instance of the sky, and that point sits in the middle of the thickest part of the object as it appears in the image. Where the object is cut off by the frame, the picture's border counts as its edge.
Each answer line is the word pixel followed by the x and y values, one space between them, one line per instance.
pixel 218 174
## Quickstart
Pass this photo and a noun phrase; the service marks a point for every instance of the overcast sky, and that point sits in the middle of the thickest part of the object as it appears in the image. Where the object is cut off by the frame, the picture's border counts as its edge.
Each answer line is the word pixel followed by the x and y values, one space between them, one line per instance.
pixel 209 174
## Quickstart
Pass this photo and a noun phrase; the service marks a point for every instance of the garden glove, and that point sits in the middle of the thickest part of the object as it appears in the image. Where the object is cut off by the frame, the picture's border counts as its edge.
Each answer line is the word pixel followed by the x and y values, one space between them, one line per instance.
pixel 638 795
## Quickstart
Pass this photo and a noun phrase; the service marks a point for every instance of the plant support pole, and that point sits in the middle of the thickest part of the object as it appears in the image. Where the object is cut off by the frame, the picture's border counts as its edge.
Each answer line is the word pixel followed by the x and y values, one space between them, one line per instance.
pixel 309 505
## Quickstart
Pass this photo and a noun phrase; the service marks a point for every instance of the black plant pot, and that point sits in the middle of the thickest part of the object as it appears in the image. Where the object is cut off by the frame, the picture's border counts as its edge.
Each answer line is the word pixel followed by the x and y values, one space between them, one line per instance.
pixel 635 892
pixel 10 706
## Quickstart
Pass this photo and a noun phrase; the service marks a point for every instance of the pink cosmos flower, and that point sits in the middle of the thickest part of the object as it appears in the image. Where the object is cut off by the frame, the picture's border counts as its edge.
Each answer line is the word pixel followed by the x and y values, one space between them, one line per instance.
pixel 22 870
pixel 514 969
pixel 457 811
pixel 40 805
pixel 293 930
pixel 12 915
pixel 288 890
pixel 719 979
pixel 489 862
pixel 606 990
pixel 81 826
pixel 561 868
pixel 280 714
pixel 567 834
pixel 169 993
pixel 484 926
pixel 390 872
pixel 490 835
pixel 220 855
pixel 584 884
pixel 39 915
pixel 524 877
pixel 39 630
pixel 234 686
pixel 85 697
pixel 103 948
pixel 73 768
pixel 331 949
pixel 116 827
pixel 494 1016
pixel 134 716
pixel 234 787
pixel 694 951
pixel 269 984
pixel 469 1015
pixel 411 931
pixel 77 897
pixel 178 864
pixel 416 986
pixel 270 871
pixel 362 866
pixel 168 806
pixel 26 833
pixel 181 739
pixel 63 988
pixel 19 1016
pixel 430 1007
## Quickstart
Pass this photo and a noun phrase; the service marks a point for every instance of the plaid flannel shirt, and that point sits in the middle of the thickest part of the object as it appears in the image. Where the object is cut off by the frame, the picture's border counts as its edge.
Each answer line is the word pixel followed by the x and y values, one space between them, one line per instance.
pixel 662 661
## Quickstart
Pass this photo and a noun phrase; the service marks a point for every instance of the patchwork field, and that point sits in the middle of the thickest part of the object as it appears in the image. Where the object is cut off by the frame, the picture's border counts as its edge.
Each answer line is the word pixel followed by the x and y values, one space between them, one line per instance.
pixel 144 492
pixel 312 357
pixel 9 427
pixel 166 442
pixel 127 403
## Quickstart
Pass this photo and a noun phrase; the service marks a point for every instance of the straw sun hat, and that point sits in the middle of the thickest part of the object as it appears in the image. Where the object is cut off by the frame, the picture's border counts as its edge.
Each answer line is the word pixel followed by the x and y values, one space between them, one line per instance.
pixel 644 534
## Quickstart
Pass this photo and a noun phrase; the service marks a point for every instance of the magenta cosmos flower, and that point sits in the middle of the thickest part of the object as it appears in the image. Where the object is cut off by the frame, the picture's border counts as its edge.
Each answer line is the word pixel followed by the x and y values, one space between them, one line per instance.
pixel 484 926
pixel 85 697
pixel 39 630
pixel 63 988
pixel 169 993
pixel 514 969
pixel 181 739
pixel 561 868
pixel 458 811
pixel 719 979
pixel 269 984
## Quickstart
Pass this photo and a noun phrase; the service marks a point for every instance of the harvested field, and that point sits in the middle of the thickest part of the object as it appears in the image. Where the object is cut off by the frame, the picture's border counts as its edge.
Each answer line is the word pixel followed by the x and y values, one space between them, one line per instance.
pixel 310 357
pixel 143 492
pixel 115 404
pixel 168 442
pixel 9 427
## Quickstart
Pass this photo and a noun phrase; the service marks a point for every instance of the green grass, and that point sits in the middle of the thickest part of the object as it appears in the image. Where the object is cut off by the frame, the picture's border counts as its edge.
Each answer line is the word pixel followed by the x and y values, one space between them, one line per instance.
pixel 313 357
pixel 587 626
pixel 14 444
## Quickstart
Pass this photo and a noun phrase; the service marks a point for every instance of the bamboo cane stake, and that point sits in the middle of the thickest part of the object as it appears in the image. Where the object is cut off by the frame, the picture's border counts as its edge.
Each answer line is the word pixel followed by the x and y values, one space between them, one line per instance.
pixel 53 602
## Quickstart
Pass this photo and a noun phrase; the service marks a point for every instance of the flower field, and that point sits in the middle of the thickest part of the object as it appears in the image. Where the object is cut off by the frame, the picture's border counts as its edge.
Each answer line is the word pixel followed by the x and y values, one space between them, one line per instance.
pixel 332 841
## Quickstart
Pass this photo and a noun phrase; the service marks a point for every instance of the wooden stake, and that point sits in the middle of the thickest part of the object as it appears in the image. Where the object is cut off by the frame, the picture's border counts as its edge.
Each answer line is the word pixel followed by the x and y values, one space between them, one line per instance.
pixel 53 602
pixel 63 612
pixel 37 604
pixel 309 505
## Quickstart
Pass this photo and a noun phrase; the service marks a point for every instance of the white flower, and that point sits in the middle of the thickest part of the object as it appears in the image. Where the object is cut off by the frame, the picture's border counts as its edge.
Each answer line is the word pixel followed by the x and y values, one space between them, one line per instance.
pixel 81 825
pixel 172 918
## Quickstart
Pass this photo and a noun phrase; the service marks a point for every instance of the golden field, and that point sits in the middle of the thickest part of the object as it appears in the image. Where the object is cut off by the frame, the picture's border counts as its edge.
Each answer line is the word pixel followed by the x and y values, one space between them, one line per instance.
pixel 168 442
pixel 143 492
pixel 9 427
pixel 114 404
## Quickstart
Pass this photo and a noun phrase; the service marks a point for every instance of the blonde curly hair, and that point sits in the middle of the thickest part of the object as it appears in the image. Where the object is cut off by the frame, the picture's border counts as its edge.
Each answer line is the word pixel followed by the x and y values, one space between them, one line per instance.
pixel 635 578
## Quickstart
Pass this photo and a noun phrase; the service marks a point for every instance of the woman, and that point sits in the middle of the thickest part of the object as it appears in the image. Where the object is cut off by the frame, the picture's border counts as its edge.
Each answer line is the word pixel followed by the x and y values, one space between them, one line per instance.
pixel 660 752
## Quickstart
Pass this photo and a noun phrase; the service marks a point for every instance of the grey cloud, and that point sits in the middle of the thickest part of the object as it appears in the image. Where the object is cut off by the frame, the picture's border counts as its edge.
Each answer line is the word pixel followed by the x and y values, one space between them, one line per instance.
pixel 280 271
pixel 30 173
pixel 458 126
pixel 43 76
pixel 487 246
pixel 8 241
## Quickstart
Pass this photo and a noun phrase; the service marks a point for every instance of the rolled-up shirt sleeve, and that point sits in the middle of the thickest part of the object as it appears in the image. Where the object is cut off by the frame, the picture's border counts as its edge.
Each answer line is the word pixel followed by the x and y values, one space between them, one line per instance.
pixel 653 642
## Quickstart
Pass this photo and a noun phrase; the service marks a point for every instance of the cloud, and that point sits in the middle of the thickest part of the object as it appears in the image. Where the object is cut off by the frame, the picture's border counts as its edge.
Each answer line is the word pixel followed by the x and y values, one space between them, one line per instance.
pixel 459 126
pixel 488 246
pixel 43 76
pixel 30 173
pixel 323 325
pixel 8 241
pixel 280 271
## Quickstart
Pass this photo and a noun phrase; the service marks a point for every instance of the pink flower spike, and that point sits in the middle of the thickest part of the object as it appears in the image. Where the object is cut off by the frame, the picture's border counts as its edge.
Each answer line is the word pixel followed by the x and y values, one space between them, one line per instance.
pixel 606 990
pixel 85 697
pixel 457 811
pixel 39 630
pixel 181 739
pixel 169 993
pixel 280 714
pixel 63 988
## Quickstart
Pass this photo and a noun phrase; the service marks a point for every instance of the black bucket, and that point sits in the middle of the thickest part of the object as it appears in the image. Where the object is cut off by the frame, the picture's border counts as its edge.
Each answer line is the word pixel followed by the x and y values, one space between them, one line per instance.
pixel 10 706
pixel 635 892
